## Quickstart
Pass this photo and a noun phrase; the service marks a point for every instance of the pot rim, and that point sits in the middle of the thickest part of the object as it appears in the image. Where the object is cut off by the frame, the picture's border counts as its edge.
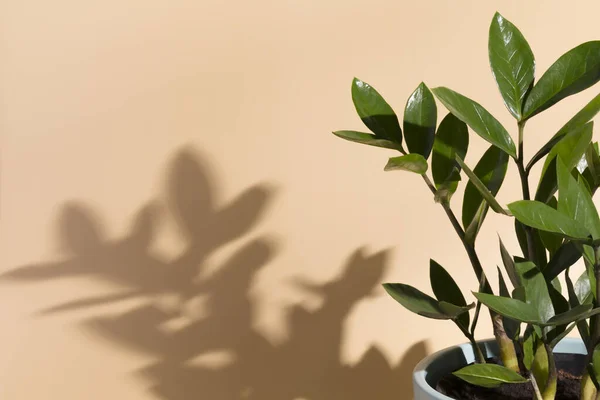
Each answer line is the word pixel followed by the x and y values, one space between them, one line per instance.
pixel 567 345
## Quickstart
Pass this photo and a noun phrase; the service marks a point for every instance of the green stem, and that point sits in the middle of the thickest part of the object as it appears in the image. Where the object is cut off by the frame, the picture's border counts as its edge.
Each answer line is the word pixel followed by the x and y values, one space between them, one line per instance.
pixel 524 175
pixel 550 389
pixel 479 357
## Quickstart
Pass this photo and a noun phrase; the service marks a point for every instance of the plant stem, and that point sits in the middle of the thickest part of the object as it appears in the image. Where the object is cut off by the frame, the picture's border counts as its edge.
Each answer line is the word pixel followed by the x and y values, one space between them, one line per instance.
pixel 550 390
pixel 479 357
pixel 508 353
pixel 536 389
pixel 524 175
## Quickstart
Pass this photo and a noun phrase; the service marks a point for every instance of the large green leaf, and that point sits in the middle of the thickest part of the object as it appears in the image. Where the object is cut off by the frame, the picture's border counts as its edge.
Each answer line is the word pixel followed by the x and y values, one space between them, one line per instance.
pixel 420 120
pixel 418 302
pixel 488 375
pixel 478 118
pixel 536 290
pixel 574 71
pixel 509 265
pixel 566 255
pixel 375 112
pixel 584 115
pixel 526 313
pixel 445 289
pixel 481 187
pixel 575 201
pixel 451 140
pixel 490 170
pixel 410 162
pixel 512 62
pixel 541 216
pixel 570 149
pixel 366 138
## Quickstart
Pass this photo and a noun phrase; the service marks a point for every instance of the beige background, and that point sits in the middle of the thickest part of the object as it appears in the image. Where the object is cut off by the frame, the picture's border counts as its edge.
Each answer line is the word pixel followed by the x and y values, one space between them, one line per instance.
pixel 144 139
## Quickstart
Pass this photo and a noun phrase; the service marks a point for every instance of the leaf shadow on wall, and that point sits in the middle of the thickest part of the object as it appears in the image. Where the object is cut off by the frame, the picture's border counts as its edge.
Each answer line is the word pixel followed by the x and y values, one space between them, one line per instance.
pixel 307 365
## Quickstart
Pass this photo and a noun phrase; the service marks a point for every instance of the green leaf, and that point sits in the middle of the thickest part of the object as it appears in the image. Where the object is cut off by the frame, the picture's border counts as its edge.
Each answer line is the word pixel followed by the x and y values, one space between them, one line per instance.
pixel 575 314
pixel 488 375
pixel 528 347
pixel 490 170
pixel 445 289
pixel 536 290
pixel 481 187
pixel 596 362
pixel 410 162
pixel 569 149
pixel 511 308
pixel 509 265
pixel 418 302
pixel 478 118
pixel 541 216
pixel 584 116
pixel 512 62
pixel 420 120
pixel 583 289
pixel 375 112
pixel 574 71
pixel 551 241
pixel 452 139
pixel 575 201
pixel 575 300
pixel 566 255
pixel 366 138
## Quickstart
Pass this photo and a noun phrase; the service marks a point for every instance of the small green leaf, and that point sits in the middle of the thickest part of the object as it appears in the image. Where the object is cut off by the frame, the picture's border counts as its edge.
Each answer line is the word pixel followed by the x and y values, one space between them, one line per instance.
pixel 570 149
pixel 512 62
pixel 584 116
pixel 583 289
pixel 418 302
pixel 488 375
pixel 490 170
pixel 478 118
pixel 528 347
pixel 575 300
pixel 375 112
pixel 575 201
pixel 366 138
pixel 575 314
pixel 481 187
pixel 509 265
pixel 410 162
pixel 420 120
pixel 451 139
pixel 541 216
pixel 445 289
pixel 574 71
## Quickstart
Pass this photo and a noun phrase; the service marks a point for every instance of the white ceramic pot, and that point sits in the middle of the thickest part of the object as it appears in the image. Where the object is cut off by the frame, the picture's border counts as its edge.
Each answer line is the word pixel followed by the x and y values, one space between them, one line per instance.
pixel 432 368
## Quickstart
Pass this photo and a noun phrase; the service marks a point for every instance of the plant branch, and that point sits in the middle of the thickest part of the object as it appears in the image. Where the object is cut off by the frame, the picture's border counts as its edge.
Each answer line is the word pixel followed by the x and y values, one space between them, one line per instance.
pixel 524 175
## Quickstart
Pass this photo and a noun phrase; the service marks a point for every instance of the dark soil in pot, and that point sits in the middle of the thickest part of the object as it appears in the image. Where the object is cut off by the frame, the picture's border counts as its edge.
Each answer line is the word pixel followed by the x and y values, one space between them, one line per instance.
pixel 570 367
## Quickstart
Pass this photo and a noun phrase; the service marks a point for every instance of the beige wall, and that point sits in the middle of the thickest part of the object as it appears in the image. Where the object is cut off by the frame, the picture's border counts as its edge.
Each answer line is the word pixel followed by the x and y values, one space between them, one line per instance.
pixel 142 140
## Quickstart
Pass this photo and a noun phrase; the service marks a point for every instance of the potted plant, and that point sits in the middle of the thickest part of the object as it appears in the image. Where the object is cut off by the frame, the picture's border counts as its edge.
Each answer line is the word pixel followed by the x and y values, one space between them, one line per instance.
pixel 556 225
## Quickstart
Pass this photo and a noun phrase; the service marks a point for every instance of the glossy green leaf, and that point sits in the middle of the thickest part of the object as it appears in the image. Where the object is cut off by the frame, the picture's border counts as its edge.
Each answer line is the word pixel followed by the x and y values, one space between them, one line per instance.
pixel 366 138
pixel 536 290
pixel 488 375
pixel 575 300
pixel 584 116
pixel 490 170
pixel 575 201
pixel 478 118
pixel 551 241
pixel 420 120
pixel 410 162
pixel 418 302
pixel 481 188
pixel 566 255
pixel 375 112
pixel 541 216
pixel 509 265
pixel 583 289
pixel 570 149
pixel 574 71
pixel 583 311
pixel 528 347
pixel 512 62
pixel 445 289
pixel 511 308
pixel 451 139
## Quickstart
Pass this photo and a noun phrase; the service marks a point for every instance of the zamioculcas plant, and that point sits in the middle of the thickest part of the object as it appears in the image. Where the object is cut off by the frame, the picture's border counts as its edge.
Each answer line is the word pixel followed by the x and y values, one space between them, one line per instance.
pixel 556 224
